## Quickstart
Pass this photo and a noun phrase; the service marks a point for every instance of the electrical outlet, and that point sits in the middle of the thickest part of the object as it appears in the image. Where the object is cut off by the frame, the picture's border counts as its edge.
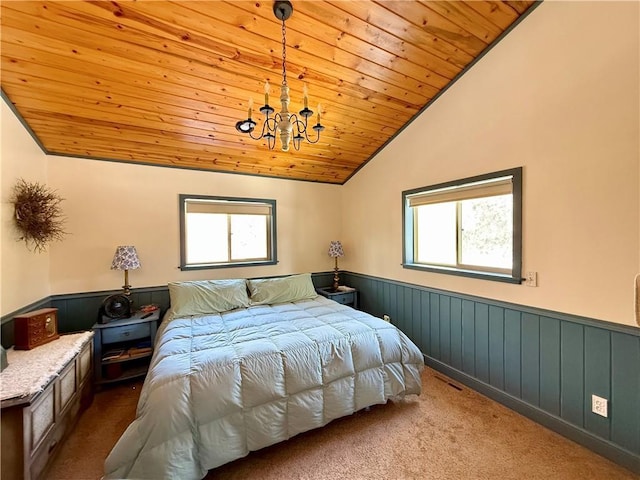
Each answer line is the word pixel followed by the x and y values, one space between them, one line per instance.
pixel 386 318
pixel 599 405
pixel 531 279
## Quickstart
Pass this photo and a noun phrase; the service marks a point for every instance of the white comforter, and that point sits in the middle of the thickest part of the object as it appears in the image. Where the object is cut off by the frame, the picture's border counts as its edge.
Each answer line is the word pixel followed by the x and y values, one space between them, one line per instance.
pixel 222 385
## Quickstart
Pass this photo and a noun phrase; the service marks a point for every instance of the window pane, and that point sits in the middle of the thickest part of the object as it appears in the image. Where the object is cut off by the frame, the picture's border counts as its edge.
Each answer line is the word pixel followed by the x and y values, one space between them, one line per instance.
pixel 206 238
pixel 487 232
pixel 436 234
pixel 223 232
pixel 248 237
pixel 470 227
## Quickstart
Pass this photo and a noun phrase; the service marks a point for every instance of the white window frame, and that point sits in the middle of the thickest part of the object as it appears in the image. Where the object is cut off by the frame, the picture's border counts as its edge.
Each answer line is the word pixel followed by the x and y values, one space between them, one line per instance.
pixel 491 184
pixel 229 205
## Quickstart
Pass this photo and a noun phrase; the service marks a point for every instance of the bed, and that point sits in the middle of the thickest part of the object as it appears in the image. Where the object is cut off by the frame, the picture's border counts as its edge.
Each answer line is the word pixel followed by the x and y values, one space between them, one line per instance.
pixel 240 365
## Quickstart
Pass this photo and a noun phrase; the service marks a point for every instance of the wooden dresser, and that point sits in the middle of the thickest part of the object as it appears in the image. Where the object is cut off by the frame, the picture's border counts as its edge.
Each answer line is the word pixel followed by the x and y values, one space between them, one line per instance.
pixel 43 392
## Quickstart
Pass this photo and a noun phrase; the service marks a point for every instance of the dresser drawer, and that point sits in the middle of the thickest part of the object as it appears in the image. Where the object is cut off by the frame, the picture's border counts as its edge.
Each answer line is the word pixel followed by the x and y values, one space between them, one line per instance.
pixel 67 385
pixel 126 332
pixel 344 298
pixel 343 295
pixel 52 442
pixel 42 455
pixel 41 417
pixel 84 363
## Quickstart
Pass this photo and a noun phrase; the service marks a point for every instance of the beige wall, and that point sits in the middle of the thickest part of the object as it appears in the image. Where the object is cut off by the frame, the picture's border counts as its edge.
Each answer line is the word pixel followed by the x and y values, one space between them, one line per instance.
pixel 560 100
pixel 109 204
pixel 552 97
pixel 112 204
pixel 25 274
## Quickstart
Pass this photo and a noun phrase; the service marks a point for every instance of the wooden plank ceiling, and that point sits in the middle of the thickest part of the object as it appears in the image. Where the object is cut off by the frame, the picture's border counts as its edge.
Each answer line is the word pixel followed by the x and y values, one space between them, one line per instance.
pixel 164 83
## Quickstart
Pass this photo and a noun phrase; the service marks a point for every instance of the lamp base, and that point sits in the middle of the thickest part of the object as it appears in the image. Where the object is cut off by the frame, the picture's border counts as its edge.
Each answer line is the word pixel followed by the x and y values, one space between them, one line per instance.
pixel 126 288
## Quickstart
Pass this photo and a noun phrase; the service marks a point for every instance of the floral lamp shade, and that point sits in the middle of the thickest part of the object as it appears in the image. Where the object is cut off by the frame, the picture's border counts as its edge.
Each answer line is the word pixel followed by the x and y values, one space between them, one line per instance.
pixel 335 249
pixel 125 258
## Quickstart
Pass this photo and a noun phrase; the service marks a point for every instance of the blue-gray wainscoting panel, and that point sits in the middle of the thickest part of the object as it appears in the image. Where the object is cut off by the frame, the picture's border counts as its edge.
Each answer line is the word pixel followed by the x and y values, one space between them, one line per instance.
pixel 544 364
pixel 572 395
pixel 597 361
pixel 455 315
pixel 512 348
pixel 468 338
pixel 550 365
pixel 531 359
pixel 79 311
pixel 496 347
pixel 625 391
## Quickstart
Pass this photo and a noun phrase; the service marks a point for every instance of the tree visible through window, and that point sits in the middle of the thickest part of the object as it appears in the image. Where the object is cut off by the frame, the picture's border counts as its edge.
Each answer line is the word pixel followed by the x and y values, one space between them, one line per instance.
pixel 487 232
pixel 468 227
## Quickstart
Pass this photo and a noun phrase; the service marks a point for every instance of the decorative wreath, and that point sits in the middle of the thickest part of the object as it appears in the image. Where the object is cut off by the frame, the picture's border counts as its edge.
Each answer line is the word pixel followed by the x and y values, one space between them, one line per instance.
pixel 38 216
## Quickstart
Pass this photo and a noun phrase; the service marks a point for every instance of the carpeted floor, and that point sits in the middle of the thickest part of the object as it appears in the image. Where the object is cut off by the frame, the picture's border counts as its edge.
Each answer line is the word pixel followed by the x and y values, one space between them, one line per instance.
pixel 446 433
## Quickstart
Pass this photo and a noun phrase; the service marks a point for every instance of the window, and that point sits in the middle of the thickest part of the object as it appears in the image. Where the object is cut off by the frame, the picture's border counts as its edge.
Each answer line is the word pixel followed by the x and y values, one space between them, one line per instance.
pixel 218 232
pixel 471 227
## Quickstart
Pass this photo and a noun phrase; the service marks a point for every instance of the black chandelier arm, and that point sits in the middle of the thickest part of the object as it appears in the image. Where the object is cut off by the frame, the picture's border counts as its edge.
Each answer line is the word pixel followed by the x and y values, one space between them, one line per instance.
pixel 301 126
pixel 266 128
pixel 271 137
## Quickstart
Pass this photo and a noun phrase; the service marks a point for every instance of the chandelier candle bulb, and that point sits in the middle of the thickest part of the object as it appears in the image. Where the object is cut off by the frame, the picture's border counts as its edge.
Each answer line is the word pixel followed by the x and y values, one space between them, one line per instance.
pixel 250 107
pixel 305 95
pixel 266 92
pixel 318 114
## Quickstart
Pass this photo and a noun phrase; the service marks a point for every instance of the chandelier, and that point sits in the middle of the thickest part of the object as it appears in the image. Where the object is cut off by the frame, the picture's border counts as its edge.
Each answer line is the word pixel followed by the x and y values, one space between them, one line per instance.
pixel 289 126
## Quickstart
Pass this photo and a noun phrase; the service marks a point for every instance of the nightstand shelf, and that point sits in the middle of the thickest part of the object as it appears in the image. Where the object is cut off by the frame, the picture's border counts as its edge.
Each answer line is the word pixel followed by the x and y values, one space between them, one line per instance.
pixel 129 373
pixel 348 296
pixel 120 337
pixel 126 359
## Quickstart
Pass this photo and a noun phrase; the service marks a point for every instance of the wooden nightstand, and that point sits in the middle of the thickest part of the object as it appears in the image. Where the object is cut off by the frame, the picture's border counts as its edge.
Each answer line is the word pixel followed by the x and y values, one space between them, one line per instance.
pixel 348 296
pixel 134 337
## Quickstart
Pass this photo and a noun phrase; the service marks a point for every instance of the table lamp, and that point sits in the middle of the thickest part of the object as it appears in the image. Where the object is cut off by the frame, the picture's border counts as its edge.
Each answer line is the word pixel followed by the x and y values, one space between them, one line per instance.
pixel 125 258
pixel 335 251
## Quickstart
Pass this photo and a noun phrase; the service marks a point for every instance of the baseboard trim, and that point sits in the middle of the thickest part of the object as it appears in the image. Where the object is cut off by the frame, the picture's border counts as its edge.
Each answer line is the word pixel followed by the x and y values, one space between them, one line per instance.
pixel 606 449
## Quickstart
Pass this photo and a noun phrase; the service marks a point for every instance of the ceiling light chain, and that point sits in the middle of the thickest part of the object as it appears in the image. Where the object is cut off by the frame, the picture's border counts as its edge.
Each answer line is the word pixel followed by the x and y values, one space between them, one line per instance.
pixel 282 123
pixel 284 53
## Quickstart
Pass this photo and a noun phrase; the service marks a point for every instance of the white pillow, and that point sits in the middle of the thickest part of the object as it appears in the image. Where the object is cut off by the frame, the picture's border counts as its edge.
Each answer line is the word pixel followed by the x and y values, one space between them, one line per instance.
pixel 281 290
pixel 200 297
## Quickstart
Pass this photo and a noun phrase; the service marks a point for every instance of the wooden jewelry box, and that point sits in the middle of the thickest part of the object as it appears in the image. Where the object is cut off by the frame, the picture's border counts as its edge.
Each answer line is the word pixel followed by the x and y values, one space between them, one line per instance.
pixel 36 328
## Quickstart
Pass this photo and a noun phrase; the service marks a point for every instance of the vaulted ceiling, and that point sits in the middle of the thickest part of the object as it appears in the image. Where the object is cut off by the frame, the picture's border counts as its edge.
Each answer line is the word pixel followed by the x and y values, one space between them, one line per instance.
pixel 164 83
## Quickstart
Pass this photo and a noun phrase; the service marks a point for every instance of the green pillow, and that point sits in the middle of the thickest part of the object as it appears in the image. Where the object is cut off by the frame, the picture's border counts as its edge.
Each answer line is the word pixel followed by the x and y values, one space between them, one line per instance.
pixel 207 296
pixel 281 290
